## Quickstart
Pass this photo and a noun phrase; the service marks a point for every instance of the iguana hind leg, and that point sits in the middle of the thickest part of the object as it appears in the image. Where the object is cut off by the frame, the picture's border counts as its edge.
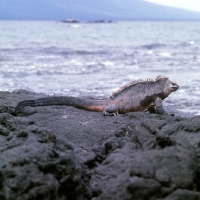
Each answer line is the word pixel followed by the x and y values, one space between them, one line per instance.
pixel 157 108
pixel 110 110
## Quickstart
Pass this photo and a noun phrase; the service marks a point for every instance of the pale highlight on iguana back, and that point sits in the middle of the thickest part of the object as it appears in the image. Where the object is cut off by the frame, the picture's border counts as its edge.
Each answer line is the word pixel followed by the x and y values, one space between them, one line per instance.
pixel 135 82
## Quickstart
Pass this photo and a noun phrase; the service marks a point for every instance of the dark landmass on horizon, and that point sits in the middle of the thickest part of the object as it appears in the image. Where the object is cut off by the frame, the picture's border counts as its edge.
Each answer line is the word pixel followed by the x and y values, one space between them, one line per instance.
pixel 90 10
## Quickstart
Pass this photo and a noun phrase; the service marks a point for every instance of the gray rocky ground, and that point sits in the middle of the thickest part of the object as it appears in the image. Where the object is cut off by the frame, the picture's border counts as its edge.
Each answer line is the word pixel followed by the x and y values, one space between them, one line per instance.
pixel 64 153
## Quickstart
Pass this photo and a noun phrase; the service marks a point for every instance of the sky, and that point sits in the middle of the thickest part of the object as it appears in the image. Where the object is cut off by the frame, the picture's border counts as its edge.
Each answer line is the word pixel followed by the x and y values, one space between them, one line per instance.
pixel 193 5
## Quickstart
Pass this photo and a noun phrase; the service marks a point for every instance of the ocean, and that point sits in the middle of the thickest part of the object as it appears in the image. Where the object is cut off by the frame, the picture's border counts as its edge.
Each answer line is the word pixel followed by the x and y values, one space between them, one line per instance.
pixel 95 59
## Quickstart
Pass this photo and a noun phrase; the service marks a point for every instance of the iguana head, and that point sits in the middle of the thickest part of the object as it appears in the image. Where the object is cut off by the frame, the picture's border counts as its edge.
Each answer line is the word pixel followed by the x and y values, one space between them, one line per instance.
pixel 169 87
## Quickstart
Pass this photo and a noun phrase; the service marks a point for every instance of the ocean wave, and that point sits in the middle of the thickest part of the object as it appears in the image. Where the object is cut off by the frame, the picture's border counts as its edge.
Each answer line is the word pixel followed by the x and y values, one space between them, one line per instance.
pixel 152 46
pixel 156 46
pixel 186 44
pixel 71 70
pixel 68 51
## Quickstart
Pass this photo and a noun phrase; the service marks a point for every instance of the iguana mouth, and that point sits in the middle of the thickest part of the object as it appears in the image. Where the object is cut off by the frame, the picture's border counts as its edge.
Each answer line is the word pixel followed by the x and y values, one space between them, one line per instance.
pixel 175 86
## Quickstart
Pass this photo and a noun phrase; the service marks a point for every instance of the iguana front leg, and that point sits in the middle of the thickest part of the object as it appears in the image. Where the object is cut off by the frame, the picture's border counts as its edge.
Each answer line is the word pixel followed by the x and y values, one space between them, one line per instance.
pixel 157 108
pixel 110 110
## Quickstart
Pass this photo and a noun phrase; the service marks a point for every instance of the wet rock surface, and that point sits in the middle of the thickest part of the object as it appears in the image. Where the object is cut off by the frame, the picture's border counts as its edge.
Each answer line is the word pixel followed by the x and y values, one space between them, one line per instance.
pixel 61 152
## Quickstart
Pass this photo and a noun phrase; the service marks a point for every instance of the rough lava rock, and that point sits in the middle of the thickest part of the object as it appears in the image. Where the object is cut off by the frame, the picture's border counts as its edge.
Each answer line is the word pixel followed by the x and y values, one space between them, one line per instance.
pixel 62 153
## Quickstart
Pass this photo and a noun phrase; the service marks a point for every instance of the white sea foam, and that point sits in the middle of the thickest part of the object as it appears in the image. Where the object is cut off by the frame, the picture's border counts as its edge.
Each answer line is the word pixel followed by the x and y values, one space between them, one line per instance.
pixel 163 54
pixel 107 63
pixel 191 42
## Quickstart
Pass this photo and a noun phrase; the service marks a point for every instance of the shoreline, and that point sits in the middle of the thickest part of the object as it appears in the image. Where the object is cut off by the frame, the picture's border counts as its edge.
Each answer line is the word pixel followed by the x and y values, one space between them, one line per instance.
pixel 61 152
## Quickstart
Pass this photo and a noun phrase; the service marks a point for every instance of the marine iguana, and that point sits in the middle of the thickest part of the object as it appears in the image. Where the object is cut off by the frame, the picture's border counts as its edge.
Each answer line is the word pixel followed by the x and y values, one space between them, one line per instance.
pixel 135 96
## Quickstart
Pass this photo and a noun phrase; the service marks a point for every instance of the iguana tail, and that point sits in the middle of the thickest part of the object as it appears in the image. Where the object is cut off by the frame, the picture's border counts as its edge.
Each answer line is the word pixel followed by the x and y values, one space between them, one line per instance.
pixel 50 101
pixel 26 103
pixel 87 104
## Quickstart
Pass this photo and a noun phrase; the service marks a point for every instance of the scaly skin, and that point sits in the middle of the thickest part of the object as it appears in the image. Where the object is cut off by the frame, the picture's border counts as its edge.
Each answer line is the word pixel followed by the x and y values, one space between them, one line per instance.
pixel 136 96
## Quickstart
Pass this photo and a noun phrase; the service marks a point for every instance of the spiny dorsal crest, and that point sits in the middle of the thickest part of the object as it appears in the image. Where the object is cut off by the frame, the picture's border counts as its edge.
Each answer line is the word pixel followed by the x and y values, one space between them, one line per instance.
pixel 137 82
